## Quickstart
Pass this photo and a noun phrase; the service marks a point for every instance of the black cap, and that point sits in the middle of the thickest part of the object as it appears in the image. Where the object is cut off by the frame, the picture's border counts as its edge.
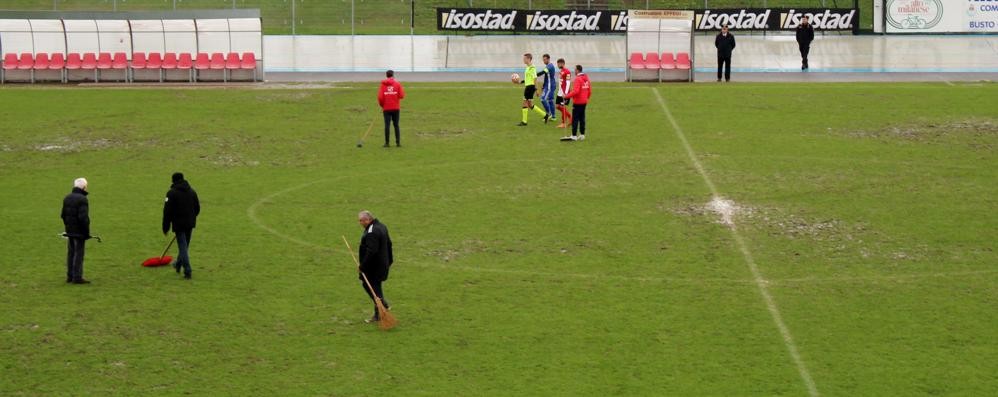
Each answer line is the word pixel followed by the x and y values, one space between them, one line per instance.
pixel 177 177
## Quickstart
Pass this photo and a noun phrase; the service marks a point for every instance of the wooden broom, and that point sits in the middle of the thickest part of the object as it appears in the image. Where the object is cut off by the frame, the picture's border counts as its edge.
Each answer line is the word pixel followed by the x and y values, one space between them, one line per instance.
pixel 385 319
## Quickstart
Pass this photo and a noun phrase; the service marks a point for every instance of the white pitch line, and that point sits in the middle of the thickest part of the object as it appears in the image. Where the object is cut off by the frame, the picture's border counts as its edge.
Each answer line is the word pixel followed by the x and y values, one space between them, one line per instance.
pixel 760 282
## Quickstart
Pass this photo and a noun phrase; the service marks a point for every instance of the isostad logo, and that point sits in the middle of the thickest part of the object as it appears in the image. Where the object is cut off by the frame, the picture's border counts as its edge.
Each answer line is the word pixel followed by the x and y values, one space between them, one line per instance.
pixel 735 20
pixel 618 23
pixel 478 20
pixel 568 22
pixel 827 20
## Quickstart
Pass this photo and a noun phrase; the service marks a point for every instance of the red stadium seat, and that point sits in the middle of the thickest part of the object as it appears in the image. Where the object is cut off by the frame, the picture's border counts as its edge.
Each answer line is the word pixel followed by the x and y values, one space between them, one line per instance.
pixel 683 61
pixel 120 61
pixel 249 62
pixel 9 61
pixel 89 63
pixel 104 60
pixel 231 63
pixel 27 61
pixel 186 63
pixel 73 61
pixel 41 61
pixel 58 62
pixel 637 61
pixel 155 61
pixel 668 61
pixel 217 61
pixel 202 62
pixel 652 62
pixel 103 63
pixel 170 61
pixel 138 60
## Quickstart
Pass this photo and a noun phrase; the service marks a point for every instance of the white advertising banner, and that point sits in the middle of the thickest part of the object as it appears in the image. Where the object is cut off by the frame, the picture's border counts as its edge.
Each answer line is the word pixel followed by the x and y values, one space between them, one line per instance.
pixel 941 16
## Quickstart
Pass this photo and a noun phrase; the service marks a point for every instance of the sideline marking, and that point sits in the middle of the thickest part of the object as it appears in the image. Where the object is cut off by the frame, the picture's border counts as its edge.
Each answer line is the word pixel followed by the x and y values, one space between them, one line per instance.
pixel 760 282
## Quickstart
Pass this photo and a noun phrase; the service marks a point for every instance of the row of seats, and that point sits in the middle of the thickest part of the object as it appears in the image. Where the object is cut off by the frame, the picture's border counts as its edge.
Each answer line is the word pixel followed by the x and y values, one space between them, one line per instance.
pixel 140 61
pixel 654 62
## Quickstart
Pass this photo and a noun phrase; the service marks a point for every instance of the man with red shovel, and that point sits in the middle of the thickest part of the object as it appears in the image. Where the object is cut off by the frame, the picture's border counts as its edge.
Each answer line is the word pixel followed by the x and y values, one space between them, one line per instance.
pixel 181 210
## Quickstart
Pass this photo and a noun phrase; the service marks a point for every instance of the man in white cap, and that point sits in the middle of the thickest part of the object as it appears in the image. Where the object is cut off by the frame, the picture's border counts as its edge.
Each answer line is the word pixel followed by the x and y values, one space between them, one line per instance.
pixel 76 218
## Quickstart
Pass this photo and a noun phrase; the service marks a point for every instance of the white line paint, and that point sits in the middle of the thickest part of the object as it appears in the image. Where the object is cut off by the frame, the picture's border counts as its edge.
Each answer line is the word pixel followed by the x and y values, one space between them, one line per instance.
pixel 760 282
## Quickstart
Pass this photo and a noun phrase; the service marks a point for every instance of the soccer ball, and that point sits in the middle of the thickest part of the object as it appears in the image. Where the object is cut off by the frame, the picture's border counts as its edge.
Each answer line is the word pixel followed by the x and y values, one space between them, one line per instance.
pixel 515 78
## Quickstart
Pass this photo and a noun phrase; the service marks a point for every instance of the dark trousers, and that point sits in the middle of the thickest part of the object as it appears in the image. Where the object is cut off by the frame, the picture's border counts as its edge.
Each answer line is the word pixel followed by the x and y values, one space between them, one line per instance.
pixel 724 63
pixel 804 49
pixel 376 285
pixel 74 259
pixel 578 119
pixel 183 250
pixel 391 117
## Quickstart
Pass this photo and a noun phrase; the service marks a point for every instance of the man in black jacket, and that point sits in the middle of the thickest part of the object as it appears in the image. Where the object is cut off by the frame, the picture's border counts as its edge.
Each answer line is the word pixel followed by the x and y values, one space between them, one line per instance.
pixel 725 43
pixel 376 257
pixel 805 35
pixel 181 210
pixel 76 217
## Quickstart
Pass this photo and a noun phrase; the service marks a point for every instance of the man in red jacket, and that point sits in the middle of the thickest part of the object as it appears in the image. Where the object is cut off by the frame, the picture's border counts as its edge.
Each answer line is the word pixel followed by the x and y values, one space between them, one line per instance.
pixel 390 96
pixel 580 97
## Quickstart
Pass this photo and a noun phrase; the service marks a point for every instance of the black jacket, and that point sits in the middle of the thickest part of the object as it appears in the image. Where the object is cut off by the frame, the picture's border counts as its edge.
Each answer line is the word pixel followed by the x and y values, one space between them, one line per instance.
pixel 724 45
pixel 376 255
pixel 76 214
pixel 181 208
pixel 805 34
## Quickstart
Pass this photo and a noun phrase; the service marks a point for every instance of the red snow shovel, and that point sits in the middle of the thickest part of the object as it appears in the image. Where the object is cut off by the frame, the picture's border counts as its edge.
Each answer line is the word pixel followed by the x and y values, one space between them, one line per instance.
pixel 161 260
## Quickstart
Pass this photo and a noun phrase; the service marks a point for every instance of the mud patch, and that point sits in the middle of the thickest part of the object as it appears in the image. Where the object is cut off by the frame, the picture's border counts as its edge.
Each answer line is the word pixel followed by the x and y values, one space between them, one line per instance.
pixel 443 133
pixel 466 247
pixel 284 97
pixel 721 210
pixel 979 133
pixel 66 145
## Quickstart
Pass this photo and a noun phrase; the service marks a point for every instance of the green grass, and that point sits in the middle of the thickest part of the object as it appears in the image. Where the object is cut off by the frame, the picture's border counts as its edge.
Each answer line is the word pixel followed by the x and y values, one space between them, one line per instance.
pixel 387 16
pixel 525 265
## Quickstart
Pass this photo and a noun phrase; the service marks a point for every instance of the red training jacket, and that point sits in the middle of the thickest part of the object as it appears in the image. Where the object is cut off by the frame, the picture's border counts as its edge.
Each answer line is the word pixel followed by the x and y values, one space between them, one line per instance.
pixel 580 90
pixel 390 94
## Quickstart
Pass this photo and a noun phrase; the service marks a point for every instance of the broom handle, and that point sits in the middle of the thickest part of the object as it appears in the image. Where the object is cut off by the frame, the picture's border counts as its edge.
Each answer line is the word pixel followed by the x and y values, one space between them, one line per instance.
pixel 168 246
pixel 366 282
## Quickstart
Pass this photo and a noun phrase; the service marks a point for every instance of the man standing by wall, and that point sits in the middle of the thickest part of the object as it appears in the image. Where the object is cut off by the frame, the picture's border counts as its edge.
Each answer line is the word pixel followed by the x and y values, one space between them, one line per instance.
pixel 725 44
pixel 390 97
pixel 181 210
pixel 805 35
pixel 76 219
pixel 376 257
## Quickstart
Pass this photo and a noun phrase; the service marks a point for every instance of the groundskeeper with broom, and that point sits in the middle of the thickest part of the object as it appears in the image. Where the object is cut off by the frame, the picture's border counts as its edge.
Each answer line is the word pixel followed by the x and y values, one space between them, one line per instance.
pixel 76 218
pixel 376 258
pixel 181 210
